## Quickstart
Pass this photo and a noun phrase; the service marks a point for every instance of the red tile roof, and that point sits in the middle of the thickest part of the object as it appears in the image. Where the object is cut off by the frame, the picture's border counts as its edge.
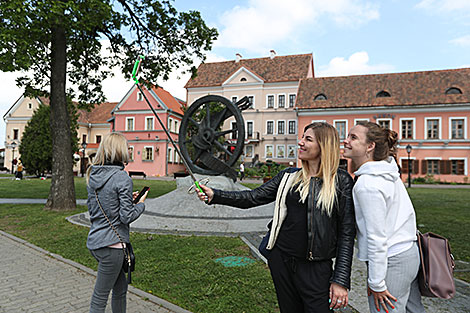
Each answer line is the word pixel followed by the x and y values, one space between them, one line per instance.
pixel 171 102
pixel 278 69
pixel 414 88
pixel 98 115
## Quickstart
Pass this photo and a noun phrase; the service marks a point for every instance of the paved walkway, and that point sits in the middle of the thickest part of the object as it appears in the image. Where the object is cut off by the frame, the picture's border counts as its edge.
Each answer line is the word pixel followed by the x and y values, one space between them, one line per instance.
pixel 34 280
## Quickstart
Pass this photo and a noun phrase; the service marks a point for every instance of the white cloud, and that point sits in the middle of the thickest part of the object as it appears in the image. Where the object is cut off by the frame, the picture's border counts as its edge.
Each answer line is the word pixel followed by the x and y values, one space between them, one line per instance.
pixel 444 5
pixel 358 63
pixel 463 41
pixel 263 23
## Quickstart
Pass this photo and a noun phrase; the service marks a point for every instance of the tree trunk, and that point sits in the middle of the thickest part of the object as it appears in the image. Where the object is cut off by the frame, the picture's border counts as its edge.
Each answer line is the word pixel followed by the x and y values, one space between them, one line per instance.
pixel 62 193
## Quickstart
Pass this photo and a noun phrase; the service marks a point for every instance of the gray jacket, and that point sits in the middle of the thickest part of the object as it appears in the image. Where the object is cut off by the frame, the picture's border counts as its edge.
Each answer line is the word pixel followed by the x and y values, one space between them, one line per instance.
pixel 114 188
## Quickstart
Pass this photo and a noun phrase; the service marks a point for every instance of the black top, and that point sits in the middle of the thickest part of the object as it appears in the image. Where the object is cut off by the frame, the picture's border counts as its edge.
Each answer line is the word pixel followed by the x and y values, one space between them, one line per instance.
pixel 292 238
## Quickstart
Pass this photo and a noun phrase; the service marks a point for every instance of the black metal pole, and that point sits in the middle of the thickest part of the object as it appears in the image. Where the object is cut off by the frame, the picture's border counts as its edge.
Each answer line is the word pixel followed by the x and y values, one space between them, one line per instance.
pixel 409 171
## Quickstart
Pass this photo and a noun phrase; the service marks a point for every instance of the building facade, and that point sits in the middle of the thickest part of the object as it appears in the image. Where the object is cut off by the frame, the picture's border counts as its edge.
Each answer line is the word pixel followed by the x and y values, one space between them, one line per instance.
pixel 151 151
pixel 271 85
pixel 429 110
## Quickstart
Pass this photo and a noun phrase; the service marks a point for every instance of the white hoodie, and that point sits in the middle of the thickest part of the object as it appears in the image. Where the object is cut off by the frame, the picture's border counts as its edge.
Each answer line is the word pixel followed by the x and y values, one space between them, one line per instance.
pixel 385 217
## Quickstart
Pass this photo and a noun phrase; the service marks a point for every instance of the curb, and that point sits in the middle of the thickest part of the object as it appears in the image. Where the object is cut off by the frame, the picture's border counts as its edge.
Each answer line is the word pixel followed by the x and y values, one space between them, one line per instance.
pixel 147 296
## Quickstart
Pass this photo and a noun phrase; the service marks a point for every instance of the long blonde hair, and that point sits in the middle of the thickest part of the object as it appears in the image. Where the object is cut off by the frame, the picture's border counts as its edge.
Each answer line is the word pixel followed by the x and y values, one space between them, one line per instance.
pixel 328 140
pixel 113 149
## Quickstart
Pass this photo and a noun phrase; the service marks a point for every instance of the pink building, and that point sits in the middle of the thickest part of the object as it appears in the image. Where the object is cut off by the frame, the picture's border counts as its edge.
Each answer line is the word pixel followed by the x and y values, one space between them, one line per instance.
pixel 429 111
pixel 151 151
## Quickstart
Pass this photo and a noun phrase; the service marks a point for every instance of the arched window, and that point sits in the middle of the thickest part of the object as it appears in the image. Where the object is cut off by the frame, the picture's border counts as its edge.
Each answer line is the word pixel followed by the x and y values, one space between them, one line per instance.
pixel 243 79
pixel 320 96
pixel 382 94
pixel 453 91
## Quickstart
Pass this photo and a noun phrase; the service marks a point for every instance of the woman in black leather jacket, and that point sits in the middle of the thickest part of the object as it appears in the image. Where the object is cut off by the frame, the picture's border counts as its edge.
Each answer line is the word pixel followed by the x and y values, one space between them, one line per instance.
pixel 313 223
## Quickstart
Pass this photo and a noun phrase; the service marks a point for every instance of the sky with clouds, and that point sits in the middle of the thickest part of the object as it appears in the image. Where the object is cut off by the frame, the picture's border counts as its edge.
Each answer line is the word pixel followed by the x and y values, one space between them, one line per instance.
pixel 346 37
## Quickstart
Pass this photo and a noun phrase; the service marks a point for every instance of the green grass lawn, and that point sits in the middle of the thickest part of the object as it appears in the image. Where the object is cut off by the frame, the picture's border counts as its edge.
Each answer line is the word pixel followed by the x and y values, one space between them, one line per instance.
pixel 39 189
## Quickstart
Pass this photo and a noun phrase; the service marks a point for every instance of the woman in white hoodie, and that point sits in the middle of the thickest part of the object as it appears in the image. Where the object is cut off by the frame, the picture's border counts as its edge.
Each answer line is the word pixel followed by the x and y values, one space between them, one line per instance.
pixel 385 219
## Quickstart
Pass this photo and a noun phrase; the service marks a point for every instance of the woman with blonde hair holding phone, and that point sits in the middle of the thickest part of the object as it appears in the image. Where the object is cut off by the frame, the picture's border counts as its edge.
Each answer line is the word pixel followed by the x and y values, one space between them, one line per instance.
pixel 313 223
pixel 110 190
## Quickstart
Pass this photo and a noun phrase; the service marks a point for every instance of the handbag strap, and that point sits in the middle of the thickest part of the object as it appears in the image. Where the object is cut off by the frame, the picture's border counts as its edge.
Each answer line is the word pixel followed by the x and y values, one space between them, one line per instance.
pixel 114 229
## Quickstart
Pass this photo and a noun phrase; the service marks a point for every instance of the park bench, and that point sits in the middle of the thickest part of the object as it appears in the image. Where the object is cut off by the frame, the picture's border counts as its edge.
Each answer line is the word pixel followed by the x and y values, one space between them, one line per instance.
pixel 179 174
pixel 137 173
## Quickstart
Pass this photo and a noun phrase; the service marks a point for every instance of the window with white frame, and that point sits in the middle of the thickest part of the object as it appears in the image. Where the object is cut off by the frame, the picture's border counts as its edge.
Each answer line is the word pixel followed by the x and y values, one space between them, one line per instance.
pixel 147 154
pixel 457 128
pixel 291 100
pixel 292 127
pixel 280 151
pixel 268 151
pixel 16 134
pixel 291 151
pixel 170 155
pixel 407 128
pixel 249 151
pixel 281 101
pixel 270 101
pixel 131 153
pixel 357 120
pixel 249 129
pixel 140 97
pixel 149 123
pixel 176 126
pixel 129 123
pixel 170 123
pixel 341 128
pixel 251 100
pixel 432 166
pixel 98 138
pixel 176 156
pixel 234 133
pixel 385 123
pixel 281 127
pixel 432 128
pixel 269 127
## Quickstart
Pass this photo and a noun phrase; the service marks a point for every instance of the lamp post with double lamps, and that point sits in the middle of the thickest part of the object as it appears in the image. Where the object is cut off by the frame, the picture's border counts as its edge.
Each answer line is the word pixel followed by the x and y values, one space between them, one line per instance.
pixel 13 147
pixel 82 162
pixel 408 150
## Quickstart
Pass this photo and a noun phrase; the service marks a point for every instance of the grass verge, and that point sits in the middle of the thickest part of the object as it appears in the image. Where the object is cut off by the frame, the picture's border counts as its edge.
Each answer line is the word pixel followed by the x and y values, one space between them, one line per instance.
pixel 39 189
pixel 176 268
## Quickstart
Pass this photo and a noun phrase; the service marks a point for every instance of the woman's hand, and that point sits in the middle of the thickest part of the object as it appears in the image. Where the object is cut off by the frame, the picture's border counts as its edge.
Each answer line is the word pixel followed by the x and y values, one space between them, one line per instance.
pixel 207 195
pixel 142 199
pixel 338 296
pixel 382 298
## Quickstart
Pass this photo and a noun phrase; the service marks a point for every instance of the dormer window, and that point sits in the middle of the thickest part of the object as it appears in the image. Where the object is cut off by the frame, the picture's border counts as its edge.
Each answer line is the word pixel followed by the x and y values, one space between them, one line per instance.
pixel 243 79
pixel 320 96
pixel 453 91
pixel 382 94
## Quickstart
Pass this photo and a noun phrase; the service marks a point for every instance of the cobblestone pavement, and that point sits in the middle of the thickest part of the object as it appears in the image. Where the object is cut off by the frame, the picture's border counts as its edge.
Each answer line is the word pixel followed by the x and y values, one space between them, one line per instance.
pixel 33 280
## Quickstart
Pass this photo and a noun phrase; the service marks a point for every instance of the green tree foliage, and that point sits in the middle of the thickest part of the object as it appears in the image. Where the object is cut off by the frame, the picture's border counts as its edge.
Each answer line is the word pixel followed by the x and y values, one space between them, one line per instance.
pixel 36 142
pixel 57 42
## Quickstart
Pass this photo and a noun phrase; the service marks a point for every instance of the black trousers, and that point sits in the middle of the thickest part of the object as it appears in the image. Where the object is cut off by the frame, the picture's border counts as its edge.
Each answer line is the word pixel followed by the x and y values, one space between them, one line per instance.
pixel 301 286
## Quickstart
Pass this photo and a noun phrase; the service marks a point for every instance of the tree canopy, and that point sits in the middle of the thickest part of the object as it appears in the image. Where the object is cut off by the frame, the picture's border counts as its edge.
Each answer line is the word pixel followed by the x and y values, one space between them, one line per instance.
pixel 58 45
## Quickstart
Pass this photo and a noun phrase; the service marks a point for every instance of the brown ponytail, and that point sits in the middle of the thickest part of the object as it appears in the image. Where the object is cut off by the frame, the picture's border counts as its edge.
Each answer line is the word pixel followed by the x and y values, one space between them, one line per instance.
pixel 385 140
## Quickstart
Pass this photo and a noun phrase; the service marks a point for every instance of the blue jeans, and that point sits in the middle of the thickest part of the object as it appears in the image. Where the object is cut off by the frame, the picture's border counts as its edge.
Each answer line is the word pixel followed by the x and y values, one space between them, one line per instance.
pixel 110 276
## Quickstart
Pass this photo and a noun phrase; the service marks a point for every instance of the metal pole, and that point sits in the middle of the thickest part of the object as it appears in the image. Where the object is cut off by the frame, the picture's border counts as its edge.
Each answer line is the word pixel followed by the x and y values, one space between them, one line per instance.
pixel 409 171
pixel 13 160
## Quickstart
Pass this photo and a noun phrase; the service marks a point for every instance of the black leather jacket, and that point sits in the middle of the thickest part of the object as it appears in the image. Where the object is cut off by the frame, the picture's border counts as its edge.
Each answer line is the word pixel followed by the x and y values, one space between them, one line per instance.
pixel 328 237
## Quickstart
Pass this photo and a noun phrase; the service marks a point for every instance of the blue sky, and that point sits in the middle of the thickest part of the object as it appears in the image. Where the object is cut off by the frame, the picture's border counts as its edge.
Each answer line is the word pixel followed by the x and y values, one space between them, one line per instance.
pixel 346 37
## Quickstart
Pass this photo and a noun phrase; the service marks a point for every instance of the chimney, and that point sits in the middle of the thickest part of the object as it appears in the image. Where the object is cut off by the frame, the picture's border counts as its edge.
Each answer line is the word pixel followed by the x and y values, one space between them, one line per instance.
pixel 238 57
pixel 272 54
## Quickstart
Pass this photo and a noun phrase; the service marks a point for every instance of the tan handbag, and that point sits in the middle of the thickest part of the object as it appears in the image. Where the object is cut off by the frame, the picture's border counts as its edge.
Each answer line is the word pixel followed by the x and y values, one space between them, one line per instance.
pixel 437 266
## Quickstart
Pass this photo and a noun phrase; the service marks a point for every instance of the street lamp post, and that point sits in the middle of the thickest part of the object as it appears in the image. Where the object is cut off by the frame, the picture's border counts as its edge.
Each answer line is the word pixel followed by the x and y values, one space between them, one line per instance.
pixel 408 150
pixel 82 162
pixel 13 146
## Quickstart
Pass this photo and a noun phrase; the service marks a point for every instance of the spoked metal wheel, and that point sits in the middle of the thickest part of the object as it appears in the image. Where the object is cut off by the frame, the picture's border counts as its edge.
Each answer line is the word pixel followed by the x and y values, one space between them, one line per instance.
pixel 207 148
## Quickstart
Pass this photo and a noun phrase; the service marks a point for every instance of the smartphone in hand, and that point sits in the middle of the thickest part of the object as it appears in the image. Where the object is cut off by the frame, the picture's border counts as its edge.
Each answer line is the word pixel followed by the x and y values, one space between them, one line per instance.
pixel 141 193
